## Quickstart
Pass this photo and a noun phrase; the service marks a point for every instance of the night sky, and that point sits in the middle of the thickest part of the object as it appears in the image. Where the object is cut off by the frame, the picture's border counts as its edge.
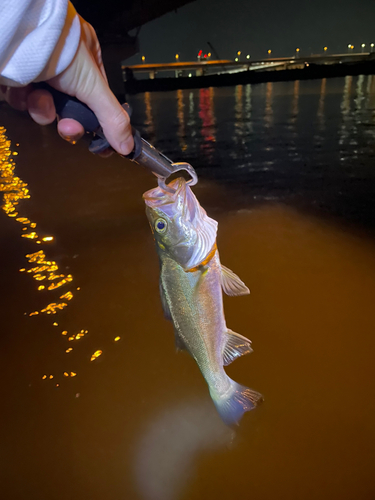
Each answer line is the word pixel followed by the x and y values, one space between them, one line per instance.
pixel 254 27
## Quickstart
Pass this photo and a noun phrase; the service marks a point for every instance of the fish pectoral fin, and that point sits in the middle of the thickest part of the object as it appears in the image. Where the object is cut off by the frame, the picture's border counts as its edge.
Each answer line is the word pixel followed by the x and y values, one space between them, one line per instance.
pixel 236 346
pixel 203 271
pixel 231 283
pixel 164 303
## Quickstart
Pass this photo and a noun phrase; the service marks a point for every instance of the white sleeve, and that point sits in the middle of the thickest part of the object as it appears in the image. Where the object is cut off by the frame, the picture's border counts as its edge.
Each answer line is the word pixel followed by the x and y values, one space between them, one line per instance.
pixel 38 39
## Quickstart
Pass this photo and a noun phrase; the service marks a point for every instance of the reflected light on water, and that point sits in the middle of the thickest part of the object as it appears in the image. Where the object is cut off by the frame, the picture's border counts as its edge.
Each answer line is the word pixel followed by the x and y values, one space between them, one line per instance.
pixel 346 123
pixel 238 116
pixel 268 112
pixel 149 120
pixel 320 112
pixel 41 268
pixel 359 100
pixel 206 114
pixel 96 355
pixel 248 108
pixel 181 120
pixel 191 120
pixel 295 109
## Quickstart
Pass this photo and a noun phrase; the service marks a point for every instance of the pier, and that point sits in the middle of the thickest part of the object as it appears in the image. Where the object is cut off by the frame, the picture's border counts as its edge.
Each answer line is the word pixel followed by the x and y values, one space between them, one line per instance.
pixel 207 73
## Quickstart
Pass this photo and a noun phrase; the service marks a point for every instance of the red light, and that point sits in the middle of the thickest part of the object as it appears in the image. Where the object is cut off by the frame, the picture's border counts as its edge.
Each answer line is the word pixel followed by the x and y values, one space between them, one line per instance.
pixel 205 56
pixel 200 53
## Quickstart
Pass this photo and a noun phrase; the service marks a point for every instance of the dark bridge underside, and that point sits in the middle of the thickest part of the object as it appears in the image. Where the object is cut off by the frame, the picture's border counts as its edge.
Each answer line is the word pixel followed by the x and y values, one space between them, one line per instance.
pixel 113 19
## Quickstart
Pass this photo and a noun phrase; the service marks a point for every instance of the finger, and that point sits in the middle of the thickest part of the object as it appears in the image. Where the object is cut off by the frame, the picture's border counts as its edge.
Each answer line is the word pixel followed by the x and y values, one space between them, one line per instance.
pixel 84 80
pixel 41 107
pixel 106 153
pixel 112 117
pixel 17 97
pixel 70 130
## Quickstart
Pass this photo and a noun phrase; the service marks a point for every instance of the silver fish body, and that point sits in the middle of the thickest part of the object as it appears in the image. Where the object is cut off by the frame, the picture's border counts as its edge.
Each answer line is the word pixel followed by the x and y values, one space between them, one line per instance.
pixel 191 283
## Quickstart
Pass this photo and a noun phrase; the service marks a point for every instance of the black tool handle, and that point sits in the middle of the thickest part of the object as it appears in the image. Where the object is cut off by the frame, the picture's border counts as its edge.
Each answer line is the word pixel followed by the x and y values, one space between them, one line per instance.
pixel 70 107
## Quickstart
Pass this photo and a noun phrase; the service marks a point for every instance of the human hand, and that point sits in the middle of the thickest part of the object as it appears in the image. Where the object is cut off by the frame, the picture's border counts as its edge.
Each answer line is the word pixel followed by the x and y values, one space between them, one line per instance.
pixel 85 79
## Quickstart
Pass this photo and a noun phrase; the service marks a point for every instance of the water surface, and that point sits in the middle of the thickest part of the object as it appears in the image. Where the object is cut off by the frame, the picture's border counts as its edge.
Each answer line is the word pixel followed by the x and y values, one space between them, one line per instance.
pixel 287 170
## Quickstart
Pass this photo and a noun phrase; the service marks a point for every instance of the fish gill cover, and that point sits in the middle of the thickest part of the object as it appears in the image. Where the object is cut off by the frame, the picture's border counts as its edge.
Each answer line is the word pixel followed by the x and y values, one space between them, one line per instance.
pixel 180 201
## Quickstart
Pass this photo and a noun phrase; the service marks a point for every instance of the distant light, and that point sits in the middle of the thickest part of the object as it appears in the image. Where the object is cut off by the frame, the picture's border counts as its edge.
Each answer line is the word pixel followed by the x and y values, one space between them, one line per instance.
pixel 307 64
pixel 325 48
pixel 372 45
pixel 177 57
pixel 190 75
pixel 143 58
pixel 205 56
pixel 200 53
pixel 239 53
pixel 236 59
pixel 349 46
pixel 297 49
pixel 363 45
pixel 269 51
pixel 209 54
pixel 248 56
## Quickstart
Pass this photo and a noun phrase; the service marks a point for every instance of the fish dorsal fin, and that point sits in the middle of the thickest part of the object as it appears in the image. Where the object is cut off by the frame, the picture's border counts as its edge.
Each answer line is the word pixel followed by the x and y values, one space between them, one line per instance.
pixel 231 283
pixel 236 346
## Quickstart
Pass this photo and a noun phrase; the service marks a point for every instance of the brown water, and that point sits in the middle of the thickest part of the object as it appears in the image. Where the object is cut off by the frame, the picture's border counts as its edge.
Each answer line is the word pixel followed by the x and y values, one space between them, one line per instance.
pixel 137 421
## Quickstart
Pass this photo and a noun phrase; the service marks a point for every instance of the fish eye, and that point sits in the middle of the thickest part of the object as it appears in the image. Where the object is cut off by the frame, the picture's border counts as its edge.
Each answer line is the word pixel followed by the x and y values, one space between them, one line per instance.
pixel 160 225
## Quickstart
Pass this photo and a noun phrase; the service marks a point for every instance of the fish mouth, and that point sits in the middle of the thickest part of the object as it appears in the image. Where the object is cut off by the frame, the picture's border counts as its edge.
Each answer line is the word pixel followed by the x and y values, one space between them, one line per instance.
pixel 159 196
pixel 174 199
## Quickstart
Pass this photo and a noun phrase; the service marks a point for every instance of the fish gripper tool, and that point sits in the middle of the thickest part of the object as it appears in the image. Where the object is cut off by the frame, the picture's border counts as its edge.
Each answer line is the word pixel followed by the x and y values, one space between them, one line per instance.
pixel 143 153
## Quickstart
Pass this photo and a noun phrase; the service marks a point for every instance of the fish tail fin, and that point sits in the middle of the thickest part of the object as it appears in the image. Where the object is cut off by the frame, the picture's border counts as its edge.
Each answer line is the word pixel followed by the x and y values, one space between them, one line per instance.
pixel 236 402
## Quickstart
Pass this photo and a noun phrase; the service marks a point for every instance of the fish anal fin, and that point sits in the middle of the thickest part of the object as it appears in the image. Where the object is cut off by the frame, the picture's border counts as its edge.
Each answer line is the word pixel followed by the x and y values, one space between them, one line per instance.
pixel 236 345
pixel 231 283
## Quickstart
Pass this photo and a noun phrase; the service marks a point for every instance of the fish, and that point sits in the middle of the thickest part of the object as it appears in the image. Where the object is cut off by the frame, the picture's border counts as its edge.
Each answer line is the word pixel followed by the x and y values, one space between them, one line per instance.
pixel 192 282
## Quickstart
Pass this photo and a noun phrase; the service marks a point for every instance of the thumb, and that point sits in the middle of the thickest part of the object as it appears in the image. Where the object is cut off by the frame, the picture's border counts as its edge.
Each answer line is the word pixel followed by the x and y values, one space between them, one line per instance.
pixel 84 80
pixel 112 117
